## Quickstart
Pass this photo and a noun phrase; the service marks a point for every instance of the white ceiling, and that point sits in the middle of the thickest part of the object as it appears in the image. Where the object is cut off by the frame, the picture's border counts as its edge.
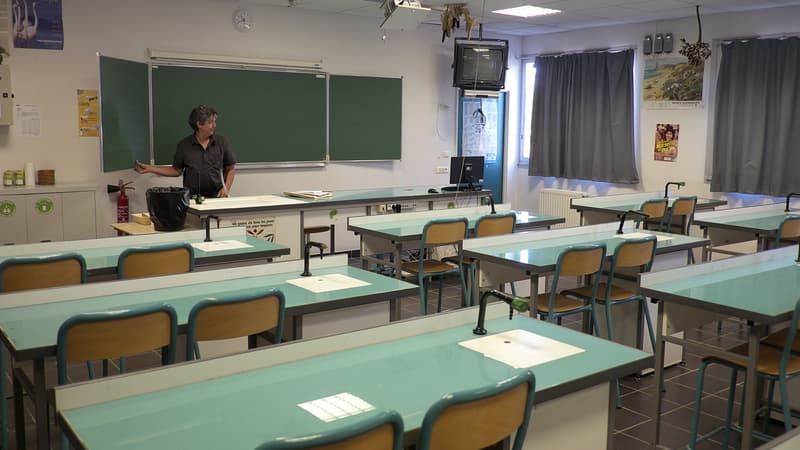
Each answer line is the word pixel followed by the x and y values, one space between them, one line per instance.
pixel 575 14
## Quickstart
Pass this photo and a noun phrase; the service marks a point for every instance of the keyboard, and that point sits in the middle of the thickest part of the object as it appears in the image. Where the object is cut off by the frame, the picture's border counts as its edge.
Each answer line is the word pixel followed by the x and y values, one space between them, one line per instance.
pixel 476 187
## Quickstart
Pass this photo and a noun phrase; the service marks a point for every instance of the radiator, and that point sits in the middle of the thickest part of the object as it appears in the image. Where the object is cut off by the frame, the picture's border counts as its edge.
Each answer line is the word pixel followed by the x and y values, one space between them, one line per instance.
pixel 555 202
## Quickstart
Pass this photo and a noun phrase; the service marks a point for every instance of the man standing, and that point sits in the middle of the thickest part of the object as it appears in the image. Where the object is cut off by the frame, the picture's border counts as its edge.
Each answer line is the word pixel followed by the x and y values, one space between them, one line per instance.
pixel 205 159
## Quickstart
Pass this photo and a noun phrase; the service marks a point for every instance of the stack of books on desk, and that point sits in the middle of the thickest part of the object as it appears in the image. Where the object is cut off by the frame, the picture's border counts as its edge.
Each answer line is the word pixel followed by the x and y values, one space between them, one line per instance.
pixel 309 194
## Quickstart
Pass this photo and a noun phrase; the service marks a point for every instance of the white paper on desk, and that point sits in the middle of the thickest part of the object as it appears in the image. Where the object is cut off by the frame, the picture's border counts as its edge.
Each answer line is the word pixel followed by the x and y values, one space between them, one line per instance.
pixel 327 283
pixel 659 237
pixel 520 348
pixel 215 246
pixel 336 407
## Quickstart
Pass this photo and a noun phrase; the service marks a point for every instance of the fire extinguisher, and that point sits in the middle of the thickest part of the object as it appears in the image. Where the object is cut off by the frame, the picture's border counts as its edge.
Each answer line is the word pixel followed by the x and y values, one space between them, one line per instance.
pixel 122 201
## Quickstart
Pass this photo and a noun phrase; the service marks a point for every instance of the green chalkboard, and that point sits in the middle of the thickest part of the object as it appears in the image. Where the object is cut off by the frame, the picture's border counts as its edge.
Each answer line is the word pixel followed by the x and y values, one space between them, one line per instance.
pixel 267 116
pixel 365 118
pixel 124 113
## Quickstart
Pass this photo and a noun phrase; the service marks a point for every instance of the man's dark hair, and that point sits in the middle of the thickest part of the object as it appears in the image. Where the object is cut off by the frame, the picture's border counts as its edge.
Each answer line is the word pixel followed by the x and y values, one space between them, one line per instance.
pixel 201 114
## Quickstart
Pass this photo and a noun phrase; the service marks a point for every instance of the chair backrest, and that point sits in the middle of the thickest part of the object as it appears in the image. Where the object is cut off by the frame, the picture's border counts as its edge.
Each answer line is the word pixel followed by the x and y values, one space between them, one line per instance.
pixel 635 253
pixel 495 224
pixel 234 317
pixel 656 210
pixel 110 334
pixel 789 228
pixel 478 418
pixel 682 207
pixel 444 231
pixel 579 260
pixel 157 260
pixel 381 431
pixel 18 274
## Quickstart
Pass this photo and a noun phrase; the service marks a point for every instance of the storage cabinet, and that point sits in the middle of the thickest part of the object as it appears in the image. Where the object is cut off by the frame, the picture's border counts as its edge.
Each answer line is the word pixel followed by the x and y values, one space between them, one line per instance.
pixel 47 213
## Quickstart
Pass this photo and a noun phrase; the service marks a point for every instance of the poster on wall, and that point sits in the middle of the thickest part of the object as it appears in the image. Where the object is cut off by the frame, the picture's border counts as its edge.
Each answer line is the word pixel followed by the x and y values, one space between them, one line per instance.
pixel 88 105
pixel 667 141
pixel 37 24
pixel 479 130
pixel 670 82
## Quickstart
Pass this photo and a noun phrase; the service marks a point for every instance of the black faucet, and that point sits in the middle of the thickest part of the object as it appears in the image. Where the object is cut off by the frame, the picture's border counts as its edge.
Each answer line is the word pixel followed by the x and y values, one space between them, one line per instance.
pixel 208 227
pixel 791 194
pixel 676 183
pixel 491 202
pixel 625 214
pixel 307 256
pixel 514 303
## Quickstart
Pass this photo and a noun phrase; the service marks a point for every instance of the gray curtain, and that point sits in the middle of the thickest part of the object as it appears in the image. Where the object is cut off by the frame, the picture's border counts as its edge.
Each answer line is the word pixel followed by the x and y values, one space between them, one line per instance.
pixel 582 120
pixel 757 118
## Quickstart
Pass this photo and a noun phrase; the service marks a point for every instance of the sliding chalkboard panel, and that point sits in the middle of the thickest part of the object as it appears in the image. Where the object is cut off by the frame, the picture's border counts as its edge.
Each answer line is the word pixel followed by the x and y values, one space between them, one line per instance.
pixel 365 118
pixel 267 116
pixel 124 113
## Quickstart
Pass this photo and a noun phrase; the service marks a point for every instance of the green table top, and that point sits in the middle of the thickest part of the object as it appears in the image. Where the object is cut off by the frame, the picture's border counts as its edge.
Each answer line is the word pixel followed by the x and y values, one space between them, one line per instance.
pixel 102 254
pixel 407 375
pixel 618 204
pixel 541 254
pixel 30 331
pixel 762 287
pixel 411 229
pixel 762 220
pixel 339 198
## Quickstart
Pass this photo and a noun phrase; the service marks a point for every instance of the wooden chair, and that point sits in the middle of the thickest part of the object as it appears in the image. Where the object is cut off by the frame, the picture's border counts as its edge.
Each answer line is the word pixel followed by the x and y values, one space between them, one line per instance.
pixel 779 364
pixel 234 317
pixel 578 261
pixel 656 210
pixel 439 233
pixel 488 225
pixel 789 230
pixel 632 253
pixel 381 431
pixel 308 231
pixel 157 260
pixel 18 274
pixel 115 334
pixel 478 418
pixel 683 208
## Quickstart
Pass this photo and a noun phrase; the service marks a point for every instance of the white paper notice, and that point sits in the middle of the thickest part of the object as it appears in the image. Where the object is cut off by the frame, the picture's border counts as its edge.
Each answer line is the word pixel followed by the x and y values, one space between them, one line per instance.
pixel 659 237
pixel 28 120
pixel 215 246
pixel 520 348
pixel 336 407
pixel 327 283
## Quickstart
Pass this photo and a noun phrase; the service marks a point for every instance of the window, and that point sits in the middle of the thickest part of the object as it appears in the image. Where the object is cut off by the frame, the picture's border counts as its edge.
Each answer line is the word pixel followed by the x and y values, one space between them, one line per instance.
pixel 528 78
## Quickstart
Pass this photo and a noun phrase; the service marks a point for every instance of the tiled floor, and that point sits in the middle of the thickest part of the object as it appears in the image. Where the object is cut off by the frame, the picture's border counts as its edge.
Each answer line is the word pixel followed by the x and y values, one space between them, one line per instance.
pixel 632 421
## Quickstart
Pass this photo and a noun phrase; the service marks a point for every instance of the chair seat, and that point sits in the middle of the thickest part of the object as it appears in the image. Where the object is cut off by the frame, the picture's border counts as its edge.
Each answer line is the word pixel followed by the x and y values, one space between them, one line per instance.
pixel 769 360
pixel 617 293
pixel 428 266
pixel 778 339
pixel 561 304
pixel 454 260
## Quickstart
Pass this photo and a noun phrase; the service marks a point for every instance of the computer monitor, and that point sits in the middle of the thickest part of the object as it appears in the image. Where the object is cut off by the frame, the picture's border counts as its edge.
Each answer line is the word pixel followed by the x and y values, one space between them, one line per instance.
pixel 466 170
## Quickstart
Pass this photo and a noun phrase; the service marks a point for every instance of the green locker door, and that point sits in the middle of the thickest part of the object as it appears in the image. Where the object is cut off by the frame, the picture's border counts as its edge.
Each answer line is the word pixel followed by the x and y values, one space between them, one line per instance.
pixel 481 132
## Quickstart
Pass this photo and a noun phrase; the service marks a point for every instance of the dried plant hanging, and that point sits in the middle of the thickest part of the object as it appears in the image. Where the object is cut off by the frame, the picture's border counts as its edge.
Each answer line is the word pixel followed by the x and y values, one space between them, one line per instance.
pixel 698 52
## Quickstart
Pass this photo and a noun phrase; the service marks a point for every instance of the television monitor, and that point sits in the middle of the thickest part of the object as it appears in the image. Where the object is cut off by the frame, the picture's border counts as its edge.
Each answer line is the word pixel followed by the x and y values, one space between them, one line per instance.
pixel 466 170
pixel 480 65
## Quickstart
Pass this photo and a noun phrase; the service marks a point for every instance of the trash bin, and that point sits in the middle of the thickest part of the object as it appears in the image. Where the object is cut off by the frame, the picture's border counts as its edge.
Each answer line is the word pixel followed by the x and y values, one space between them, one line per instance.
pixel 167 207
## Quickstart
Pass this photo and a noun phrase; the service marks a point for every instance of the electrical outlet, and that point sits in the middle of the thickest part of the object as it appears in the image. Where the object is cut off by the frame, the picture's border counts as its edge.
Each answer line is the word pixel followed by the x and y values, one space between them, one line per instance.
pixel 441 169
pixel 382 208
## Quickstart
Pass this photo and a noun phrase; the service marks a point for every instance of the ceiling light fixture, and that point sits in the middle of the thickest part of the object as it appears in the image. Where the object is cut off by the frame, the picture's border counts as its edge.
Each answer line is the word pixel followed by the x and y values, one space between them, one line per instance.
pixel 527 11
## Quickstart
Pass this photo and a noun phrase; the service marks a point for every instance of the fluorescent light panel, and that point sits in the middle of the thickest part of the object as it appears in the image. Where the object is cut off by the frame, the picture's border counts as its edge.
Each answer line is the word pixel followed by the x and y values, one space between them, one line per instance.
pixel 527 11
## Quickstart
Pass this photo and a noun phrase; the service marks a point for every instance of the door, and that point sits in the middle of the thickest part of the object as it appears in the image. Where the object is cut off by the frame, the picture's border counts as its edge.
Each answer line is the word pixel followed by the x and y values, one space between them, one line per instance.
pixel 481 132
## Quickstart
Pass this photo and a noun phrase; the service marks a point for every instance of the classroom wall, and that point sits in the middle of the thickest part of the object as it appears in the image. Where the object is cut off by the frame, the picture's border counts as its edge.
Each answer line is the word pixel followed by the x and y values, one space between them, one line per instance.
pixel 523 190
pixel 345 44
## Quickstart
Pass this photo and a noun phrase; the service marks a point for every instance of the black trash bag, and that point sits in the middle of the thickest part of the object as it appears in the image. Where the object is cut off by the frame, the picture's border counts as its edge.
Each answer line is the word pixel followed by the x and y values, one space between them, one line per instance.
pixel 167 207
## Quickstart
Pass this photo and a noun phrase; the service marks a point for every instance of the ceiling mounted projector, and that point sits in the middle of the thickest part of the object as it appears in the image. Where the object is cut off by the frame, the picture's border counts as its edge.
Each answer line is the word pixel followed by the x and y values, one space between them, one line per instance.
pixel 403 14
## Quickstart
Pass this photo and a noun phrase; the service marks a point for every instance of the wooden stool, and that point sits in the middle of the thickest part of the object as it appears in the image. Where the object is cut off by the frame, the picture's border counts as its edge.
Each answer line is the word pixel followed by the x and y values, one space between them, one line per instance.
pixel 308 231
